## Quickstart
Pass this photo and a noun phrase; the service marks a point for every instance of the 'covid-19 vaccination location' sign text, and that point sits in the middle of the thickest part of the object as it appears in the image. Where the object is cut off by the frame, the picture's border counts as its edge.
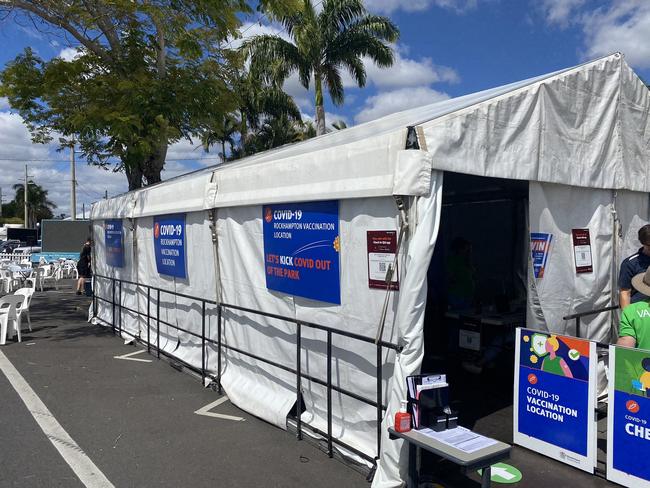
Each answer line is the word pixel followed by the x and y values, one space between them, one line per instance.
pixel 169 244
pixel 554 397
pixel 628 417
pixel 301 249
pixel 114 243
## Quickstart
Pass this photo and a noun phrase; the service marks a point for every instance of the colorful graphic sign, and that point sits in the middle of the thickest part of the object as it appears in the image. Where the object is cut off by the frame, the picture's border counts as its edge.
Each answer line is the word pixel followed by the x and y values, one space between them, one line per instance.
pixel 382 248
pixel 554 396
pixel 114 243
pixel 301 249
pixel 582 250
pixel 628 439
pixel 169 244
pixel 540 246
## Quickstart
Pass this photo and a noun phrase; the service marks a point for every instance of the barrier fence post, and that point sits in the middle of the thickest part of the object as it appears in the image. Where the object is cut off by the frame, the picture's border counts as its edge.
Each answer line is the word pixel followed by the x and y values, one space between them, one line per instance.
pixel 113 305
pixel 219 348
pixel 158 324
pixel 119 319
pixel 203 342
pixel 298 383
pixel 330 452
pixel 379 398
pixel 577 326
pixel 148 320
pixel 95 299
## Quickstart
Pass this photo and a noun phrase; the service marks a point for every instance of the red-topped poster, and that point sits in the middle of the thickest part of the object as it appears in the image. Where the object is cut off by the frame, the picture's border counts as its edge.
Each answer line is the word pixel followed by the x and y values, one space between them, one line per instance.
pixel 582 250
pixel 382 248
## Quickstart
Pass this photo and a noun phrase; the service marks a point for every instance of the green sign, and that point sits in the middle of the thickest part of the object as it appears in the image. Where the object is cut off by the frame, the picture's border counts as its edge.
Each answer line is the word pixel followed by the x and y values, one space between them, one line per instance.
pixel 503 473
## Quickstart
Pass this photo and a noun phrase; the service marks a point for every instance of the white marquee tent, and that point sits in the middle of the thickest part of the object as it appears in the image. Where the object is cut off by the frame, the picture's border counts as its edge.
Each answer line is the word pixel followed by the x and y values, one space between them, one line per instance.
pixel 580 137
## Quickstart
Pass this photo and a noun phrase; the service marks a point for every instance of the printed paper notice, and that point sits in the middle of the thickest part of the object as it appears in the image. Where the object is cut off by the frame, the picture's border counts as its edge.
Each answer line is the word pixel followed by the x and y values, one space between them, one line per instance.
pixel 582 250
pixel 382 248
pixel 460 438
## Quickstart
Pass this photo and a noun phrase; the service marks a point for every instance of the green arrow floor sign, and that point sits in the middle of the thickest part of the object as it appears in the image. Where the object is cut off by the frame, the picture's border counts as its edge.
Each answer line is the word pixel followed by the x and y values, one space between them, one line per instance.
pixel 504 473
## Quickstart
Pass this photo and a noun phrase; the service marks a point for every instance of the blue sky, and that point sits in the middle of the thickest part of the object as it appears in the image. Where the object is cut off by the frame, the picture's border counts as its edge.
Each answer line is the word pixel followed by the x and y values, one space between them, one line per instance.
pixel 447 48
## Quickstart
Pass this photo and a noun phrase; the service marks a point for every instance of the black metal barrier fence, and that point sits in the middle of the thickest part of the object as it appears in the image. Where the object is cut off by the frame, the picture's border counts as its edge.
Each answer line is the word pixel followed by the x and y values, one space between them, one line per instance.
pixel 116 324
pixel 578 316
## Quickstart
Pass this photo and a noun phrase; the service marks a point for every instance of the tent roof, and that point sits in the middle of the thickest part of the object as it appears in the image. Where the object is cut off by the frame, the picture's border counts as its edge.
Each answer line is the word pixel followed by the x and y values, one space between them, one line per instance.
pixel 364 160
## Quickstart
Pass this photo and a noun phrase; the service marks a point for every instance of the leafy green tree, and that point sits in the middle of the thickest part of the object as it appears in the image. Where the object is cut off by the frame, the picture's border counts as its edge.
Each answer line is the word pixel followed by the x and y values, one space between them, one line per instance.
pixel 322 44
pixel 147 74
pixel 39 206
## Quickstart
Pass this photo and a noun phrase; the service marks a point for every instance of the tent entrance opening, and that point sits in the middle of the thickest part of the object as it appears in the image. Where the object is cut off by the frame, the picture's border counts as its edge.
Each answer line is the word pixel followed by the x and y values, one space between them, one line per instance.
pixel 477 291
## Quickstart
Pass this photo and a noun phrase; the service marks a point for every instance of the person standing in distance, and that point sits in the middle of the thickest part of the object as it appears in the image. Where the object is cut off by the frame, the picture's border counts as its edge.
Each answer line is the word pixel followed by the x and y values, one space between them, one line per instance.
pixel 631 266
pixel 84 266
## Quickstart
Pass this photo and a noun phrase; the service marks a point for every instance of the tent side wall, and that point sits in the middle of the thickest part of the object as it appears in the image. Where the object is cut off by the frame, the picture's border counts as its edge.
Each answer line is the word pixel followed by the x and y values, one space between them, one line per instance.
pixel 264 390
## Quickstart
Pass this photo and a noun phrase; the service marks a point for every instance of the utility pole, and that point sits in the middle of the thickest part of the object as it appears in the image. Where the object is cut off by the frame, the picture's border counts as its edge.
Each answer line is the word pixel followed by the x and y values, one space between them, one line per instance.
pixel 105 194
pixel 26 198
pixel 0 201
pixel 73 192
pixel 83 211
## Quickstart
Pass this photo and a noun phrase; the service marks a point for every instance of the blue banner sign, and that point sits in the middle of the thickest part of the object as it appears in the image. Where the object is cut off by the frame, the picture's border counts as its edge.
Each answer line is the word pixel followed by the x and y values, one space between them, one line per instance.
pixel 301 249
pixel 553 404
pixel 540 245
pixel 629 417
pixel 169 244
pixel 114 243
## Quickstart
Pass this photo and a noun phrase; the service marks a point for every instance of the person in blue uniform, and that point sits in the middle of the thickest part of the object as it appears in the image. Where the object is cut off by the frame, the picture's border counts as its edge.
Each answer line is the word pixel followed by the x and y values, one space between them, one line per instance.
pixel 631 266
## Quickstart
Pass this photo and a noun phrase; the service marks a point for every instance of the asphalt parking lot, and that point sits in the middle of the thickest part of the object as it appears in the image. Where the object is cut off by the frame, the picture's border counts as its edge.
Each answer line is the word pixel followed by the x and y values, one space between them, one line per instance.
pixel 135 420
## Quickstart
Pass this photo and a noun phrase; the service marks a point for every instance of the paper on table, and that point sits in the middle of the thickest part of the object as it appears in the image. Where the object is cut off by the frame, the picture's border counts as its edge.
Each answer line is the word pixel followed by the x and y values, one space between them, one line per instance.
pixel 460 438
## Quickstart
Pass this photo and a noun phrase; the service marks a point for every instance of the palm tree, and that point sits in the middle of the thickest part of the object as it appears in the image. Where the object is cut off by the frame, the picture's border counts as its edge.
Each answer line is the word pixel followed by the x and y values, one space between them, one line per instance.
pixel 323 44
pixel 339 125
pixel 222 132
pixel 257 101
pixel 38 205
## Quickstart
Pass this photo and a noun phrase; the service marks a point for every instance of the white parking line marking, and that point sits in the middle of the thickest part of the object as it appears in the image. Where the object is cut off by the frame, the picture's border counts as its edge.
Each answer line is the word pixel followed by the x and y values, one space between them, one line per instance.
pixel 127 357
pixel 81 464
pixel 206 411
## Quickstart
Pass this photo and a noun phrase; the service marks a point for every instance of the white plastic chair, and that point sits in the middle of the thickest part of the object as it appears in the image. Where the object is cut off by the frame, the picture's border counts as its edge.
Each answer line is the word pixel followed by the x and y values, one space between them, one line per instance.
pixel 8 280
pixel 50 274
pixel 34 279
pixel 28 293
pixel 10 313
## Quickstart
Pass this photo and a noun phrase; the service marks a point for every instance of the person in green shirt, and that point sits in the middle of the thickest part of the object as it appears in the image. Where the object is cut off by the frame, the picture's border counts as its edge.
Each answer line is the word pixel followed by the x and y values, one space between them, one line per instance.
pixel 634 327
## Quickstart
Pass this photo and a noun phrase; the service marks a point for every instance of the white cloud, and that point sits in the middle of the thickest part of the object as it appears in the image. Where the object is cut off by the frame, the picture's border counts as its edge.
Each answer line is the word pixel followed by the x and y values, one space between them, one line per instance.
pixel 251 29
pixel 389 6
pixel 4 103
pixel 393 101
pixel 560 12
pixel 51 169
pixel 624 27
pixel 69 53
pixel 405 72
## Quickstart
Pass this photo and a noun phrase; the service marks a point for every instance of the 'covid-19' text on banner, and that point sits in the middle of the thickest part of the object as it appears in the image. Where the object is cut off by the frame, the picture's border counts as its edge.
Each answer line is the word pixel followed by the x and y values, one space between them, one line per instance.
pixel 169 244
pixel 301 249
pixel 114 243
pixel 554 390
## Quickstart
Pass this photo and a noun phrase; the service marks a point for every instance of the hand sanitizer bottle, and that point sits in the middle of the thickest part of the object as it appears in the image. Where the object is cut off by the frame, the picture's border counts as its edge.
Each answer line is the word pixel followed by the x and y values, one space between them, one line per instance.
pixel 403 419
